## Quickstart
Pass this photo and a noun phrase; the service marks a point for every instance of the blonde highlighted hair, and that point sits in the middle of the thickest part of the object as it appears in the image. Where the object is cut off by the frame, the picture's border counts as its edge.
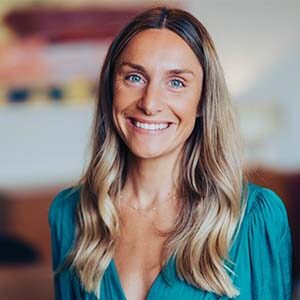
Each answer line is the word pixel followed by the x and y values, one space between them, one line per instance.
pixel 210 182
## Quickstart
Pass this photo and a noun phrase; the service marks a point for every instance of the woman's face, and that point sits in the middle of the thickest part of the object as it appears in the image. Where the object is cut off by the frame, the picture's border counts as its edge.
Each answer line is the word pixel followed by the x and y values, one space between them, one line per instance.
pixel 157 87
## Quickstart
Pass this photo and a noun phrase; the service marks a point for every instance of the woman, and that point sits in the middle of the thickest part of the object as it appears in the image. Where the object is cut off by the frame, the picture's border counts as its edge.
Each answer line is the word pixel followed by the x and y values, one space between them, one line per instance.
pixel 163 210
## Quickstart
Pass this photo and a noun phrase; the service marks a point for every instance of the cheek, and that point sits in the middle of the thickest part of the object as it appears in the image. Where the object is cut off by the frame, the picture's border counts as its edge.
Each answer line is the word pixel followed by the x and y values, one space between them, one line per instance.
pixel 125 98
pixel 186 111
pixel 117 108
pixel 187 107
pixel 117 98
pixel 117 119
pixel 114 117
pixel 120 101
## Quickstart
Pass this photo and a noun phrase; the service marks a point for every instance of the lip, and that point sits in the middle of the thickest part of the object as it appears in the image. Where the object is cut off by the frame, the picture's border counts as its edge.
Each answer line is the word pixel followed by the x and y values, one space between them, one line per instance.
pixel 146 131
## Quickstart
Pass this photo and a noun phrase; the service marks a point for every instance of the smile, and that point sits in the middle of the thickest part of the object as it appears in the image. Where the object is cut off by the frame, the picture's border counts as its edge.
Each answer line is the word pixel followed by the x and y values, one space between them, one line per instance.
pixel 149 126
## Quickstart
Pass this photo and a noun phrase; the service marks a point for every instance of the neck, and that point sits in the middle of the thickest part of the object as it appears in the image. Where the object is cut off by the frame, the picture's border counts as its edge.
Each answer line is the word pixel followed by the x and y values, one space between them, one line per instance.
pixel 150 180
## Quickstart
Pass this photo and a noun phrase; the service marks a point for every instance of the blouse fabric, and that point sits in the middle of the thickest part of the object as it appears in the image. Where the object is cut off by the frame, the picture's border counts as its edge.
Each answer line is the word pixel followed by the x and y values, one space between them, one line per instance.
pixel 261 253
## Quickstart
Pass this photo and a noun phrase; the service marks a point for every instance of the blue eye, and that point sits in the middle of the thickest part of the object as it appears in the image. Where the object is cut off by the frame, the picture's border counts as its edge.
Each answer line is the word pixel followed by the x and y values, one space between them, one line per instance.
pixel 176 83
pixel 134 78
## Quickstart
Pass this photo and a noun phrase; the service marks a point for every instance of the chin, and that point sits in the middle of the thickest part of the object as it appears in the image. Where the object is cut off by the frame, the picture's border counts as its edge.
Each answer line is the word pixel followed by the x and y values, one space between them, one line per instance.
pixel 146 154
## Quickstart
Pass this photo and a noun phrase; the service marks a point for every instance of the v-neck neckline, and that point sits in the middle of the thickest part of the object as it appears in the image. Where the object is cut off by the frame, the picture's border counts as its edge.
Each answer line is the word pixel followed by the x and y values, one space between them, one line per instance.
pixel 154 283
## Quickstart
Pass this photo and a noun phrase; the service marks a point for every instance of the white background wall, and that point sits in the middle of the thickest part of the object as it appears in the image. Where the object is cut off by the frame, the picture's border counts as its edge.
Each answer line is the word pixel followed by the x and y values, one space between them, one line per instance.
pixel 259 46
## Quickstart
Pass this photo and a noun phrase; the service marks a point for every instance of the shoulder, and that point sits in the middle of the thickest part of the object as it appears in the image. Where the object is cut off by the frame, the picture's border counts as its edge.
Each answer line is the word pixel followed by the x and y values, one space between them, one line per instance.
pixel 265 211
pixel 62 210
pixel 263 249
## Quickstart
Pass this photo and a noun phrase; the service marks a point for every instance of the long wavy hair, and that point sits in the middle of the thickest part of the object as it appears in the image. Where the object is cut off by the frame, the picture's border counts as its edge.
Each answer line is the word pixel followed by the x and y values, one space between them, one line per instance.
pixel 210 181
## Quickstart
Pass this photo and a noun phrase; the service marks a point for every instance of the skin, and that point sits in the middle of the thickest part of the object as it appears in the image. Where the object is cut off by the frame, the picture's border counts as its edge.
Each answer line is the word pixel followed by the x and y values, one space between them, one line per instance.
pixel 151 95
pixel 158 79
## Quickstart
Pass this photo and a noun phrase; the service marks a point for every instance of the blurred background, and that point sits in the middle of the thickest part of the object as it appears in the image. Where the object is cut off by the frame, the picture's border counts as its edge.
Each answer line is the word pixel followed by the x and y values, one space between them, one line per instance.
pixel 50 57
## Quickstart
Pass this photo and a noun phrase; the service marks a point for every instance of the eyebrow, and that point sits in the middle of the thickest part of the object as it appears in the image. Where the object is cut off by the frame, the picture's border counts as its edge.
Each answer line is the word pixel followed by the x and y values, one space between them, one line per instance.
pixel 142 69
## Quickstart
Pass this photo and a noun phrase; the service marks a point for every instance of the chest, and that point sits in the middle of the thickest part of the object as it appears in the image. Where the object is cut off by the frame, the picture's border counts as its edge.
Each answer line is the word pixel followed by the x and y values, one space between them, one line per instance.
pixel 138 253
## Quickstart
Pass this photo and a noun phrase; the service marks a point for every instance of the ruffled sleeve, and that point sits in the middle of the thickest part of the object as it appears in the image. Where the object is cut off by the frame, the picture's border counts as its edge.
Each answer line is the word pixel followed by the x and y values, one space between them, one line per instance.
pixel 269 247
pixel 61 220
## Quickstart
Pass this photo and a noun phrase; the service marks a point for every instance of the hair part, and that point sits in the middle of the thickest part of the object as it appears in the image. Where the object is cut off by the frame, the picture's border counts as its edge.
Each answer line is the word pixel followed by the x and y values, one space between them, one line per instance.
pixel 211 178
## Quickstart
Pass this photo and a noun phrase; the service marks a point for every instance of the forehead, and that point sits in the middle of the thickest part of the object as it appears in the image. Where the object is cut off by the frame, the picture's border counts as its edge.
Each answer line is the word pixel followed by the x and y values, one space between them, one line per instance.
pixel 160 48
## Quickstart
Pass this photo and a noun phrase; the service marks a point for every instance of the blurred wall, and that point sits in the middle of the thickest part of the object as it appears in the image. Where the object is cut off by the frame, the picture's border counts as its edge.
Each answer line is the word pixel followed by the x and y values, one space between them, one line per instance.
pixel 259 44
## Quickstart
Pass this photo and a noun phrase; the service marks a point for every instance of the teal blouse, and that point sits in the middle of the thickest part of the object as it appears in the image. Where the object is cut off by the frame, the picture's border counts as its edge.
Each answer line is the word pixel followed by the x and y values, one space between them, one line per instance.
pixel 261 254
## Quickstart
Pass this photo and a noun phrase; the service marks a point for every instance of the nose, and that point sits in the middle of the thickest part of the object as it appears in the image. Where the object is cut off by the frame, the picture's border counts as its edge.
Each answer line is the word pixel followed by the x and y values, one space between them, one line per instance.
pixel 151 100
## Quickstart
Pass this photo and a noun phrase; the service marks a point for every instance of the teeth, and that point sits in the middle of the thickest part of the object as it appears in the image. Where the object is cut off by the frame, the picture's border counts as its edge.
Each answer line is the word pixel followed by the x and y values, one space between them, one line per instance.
pixel 150 126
